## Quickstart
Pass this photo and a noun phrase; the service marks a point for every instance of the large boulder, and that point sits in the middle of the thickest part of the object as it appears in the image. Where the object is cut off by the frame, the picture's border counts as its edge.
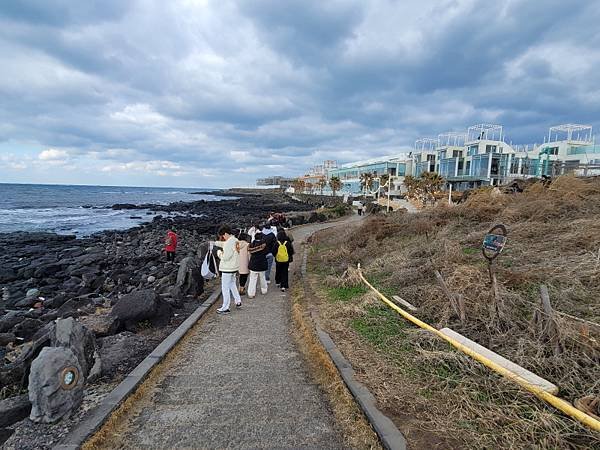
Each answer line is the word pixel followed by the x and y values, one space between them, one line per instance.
pixel 76 307
pixel 14 409
pixel 121 353
pixel 7 338
pixel 10 319
pixel 189 280
pixel 27 328
pixel 55 385
pixel 81 341
pixel 142 305
pixel 101 325
pixel 7 275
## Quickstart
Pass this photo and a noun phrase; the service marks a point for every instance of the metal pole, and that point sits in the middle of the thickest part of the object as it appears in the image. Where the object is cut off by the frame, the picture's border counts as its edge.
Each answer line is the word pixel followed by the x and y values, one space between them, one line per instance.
pixel 388 192
pixel 450 195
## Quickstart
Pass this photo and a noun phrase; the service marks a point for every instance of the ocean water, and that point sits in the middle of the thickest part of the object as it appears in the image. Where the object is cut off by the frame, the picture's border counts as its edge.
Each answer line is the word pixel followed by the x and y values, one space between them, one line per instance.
pixel 81 210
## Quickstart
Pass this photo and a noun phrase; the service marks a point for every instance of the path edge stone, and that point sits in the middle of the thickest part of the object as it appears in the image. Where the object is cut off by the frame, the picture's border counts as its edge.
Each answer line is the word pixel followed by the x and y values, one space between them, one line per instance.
pixel 389 435
pixel 100 414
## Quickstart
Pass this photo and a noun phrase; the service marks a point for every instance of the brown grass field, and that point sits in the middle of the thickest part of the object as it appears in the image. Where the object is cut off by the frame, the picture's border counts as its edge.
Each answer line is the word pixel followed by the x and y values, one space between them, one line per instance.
pixel 438 397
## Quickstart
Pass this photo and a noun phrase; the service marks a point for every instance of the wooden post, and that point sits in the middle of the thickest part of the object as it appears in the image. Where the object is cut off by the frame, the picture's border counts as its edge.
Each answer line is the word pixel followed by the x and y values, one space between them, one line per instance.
pixel 546 321
pixel 456 303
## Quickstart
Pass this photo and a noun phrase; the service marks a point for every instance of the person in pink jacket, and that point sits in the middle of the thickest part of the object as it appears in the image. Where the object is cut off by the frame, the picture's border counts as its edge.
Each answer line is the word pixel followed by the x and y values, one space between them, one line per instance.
pixel 244 259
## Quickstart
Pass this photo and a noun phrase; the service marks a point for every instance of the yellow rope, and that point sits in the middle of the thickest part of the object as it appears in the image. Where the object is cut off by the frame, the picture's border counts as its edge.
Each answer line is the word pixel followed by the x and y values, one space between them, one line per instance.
pixel 557 402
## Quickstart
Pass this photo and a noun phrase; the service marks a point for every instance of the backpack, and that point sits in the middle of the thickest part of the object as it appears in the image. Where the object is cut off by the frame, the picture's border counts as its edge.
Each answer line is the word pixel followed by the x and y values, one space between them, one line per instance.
pixel 282 253
pixel 209 268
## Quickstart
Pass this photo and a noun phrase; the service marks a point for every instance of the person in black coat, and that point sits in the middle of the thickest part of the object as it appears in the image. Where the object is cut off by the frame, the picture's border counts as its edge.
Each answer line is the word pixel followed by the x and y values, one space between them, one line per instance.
pixel 284 255
pixel 269 234
pixel 258 264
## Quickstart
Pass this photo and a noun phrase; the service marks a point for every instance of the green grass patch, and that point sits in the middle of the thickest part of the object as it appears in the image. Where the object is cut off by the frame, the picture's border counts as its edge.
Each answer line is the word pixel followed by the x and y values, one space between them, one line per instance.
pixel 344 294
pixel 379 280
pixel 470 250
pixel 379 326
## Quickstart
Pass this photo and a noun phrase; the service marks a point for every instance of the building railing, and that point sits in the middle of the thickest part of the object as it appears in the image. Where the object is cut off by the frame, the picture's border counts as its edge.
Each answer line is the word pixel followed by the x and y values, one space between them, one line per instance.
pixel 584 149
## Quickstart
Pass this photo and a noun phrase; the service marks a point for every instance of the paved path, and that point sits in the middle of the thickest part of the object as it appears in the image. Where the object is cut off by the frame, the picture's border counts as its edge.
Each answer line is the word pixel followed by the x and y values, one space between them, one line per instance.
pixel 239 382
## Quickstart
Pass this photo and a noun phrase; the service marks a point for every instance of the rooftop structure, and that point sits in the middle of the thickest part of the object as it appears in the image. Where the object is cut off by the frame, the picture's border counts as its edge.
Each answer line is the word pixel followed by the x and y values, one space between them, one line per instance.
pixel 367 162
pixel 485 132
pixel 452 139
pixel 425 145
pixel 570 132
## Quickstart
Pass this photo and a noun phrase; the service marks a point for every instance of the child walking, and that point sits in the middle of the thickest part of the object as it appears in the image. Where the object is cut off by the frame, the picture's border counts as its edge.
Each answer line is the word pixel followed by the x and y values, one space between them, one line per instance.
pixel 283 258
pixel 229 266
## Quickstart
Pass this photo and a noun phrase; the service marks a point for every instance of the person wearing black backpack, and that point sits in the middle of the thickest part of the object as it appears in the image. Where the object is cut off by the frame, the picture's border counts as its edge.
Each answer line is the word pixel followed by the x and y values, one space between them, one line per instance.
pixel 284 255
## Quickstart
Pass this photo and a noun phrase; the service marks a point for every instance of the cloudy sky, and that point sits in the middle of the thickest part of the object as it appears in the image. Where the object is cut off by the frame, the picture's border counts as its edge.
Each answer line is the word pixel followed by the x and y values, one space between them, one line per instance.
pixel 205 93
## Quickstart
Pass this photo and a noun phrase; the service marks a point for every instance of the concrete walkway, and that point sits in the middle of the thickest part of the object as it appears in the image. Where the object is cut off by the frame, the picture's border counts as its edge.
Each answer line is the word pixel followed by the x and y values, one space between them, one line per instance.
pixel 239 382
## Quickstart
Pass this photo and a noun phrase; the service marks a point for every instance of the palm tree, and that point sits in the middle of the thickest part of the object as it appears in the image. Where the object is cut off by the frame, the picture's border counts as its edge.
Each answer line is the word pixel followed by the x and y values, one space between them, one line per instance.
pixel 299 185
pixel 411 184
pixel 321 184
pixel 366 181
pixel 383 180
pixel 431 183
pixel 335 184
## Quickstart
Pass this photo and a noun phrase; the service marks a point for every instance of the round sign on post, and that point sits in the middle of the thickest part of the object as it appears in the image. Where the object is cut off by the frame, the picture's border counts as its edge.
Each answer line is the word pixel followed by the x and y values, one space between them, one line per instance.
pixel 494 242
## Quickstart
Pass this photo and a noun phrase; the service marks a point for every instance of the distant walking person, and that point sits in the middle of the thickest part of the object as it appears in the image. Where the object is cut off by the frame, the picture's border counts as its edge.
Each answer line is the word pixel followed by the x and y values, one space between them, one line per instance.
pixel 244 261
pixel 283 258
pixel 271 246
pixel 229 266
pixel 171 244
pixel 360 209
pixel 258 265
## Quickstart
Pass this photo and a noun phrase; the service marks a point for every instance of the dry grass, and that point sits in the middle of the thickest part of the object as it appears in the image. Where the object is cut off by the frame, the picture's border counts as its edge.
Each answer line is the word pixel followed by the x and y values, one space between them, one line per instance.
pixel 554 239
pixel 356 430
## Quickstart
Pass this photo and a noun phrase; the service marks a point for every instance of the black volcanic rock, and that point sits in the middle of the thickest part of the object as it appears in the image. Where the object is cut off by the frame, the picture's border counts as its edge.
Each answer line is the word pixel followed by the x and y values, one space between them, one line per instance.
pixel 142 305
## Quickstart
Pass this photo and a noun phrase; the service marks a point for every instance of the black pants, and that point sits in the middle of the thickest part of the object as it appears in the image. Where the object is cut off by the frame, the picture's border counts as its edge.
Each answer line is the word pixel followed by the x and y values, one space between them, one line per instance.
pixel 243 279
pixel 281 274
pixel 171 256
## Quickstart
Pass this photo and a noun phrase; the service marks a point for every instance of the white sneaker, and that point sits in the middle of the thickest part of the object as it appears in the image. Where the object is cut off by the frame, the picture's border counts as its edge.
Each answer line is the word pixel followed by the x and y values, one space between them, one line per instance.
pixel 268 281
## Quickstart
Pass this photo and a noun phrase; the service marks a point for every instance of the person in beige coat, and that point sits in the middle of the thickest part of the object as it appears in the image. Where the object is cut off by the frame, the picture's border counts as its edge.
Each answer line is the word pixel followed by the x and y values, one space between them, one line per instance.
pixel 244 260
pixel 229 266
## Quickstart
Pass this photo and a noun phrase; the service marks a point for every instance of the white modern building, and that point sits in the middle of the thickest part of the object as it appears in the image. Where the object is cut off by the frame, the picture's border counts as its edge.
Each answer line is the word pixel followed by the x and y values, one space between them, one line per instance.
pixel 480 156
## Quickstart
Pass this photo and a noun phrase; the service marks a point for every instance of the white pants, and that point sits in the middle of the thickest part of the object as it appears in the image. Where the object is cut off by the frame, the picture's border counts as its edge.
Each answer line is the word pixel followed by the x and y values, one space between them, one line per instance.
pixel 252 283
pixel 229 286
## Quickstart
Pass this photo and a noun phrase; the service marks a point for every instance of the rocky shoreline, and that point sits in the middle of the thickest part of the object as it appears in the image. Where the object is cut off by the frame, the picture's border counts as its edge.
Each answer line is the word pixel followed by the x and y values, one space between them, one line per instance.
pixel 117 285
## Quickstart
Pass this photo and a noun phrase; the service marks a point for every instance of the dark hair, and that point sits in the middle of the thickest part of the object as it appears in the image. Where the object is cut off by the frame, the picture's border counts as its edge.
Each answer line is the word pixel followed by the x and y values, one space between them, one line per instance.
pixel 261 226
pixel 281 236
pixel 224 229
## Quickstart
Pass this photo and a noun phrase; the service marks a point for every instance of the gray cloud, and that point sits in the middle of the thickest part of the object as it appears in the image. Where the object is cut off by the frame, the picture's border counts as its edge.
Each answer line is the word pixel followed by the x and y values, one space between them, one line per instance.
pixel 204 88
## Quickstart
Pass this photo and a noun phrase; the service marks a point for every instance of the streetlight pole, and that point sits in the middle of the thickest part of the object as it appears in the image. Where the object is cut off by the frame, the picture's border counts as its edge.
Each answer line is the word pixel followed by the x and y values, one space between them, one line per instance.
pixel 388 184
